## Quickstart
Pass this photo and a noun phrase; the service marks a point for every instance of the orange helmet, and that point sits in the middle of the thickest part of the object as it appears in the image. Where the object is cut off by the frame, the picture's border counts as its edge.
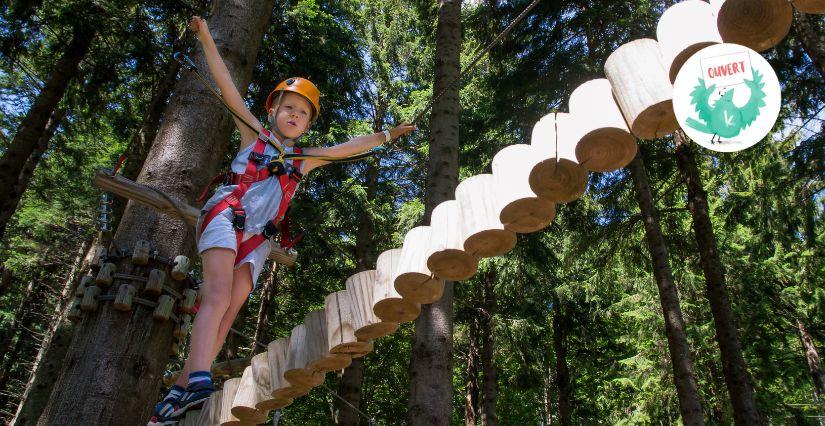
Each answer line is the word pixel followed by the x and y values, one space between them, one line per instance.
pixel 300 86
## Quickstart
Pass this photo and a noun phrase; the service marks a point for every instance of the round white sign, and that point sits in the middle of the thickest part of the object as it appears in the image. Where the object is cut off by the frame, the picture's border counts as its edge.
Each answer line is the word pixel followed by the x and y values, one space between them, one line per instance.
pixel 726 97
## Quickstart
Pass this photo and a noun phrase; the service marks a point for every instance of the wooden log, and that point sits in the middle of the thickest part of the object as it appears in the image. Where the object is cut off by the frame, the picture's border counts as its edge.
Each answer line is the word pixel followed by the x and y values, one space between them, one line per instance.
pixel 190 297
pixel 192 418
pixel 758 24
pixel 340 325
pixel 211 411
pixel 366 350
pixel 166 304
pixel 75 314
pixel 360 288
pixel 230 389
pixel 518 208
pixel 140 255
pixel 684 29
pixel 86 281
pixel 319 357
pixel 483 233
pixel 183 328
pixel 246 399
pixel 603 141
pixel 413 279
pixel 123 299
pixel 181 268
pixel 106 275
pixel 261 374
pixel 446 257
pixel 98 254
pixel 558 177
pixel 277 351
pixel 89 301
pixel 645 98
pixel 297 359
pixel 387 303
pixel 150 197
pixel 810 6
pixel 155 282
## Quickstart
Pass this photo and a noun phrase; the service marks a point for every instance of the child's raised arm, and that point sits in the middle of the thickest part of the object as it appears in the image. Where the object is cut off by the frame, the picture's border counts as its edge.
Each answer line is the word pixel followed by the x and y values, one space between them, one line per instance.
pixel 221 76
pixel 354 146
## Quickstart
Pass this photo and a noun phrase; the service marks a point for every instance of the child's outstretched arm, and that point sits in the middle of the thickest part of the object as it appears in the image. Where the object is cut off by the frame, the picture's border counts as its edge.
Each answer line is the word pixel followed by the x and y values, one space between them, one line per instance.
pixel 221 76
pixel 354 146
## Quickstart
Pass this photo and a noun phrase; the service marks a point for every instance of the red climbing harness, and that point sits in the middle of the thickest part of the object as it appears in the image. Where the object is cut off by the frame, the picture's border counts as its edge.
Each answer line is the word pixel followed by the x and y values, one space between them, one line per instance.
pixel 288 175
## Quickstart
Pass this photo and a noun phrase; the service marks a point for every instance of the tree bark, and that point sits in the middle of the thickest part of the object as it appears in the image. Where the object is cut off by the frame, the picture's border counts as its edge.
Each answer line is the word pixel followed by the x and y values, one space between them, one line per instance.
pixel 560 330
pixel 690 405
pixel 811 38
pixel 32 401
pixel 114 366
pixel 489 381
pixel 472 391
pixel 812 356
pixel 35 123
pixel 727 333
pixel 431 364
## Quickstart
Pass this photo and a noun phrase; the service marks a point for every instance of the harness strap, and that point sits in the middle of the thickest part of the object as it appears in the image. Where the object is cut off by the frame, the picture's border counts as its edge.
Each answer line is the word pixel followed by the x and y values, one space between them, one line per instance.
pixel 289 183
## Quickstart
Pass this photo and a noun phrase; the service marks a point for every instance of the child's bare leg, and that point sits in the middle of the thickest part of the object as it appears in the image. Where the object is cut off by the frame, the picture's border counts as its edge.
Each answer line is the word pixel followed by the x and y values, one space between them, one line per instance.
pixel 241 286
pixel 218 264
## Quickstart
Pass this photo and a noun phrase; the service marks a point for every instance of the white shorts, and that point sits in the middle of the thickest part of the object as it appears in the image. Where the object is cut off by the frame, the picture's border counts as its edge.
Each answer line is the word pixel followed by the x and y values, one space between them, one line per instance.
pixel 220 233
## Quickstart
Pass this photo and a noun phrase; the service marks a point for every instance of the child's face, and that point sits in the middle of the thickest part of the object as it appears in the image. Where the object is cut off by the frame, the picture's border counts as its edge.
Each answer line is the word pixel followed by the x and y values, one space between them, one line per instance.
pixel 294 115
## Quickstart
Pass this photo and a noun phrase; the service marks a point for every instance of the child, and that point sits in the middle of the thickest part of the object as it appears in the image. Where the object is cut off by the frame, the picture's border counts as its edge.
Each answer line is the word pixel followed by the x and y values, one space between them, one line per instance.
pixel 238 219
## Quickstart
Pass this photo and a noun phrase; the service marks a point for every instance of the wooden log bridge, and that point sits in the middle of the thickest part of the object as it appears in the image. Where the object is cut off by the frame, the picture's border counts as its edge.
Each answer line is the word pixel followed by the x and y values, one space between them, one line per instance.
pixel 165 204
pixel 597 135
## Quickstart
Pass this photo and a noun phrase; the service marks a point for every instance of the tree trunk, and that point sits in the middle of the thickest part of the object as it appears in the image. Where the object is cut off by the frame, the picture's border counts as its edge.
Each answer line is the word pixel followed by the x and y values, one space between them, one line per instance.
pixel 32 401
pixel 11 330
pixel 471 398
pixel 349 387
pixel 35 123
pixel 431 364
pixel 727 333
pixel 812 356
pixel 488 366
pixel 114 366
pixel 59 335
pixel 560 330
pixel 6 279
pixel 690 405
pixel 812 39
pixel 9 205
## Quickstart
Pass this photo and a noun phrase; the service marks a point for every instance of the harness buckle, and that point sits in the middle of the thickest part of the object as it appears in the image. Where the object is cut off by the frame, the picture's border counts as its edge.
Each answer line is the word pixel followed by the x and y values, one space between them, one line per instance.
pixel 269 230
pixel 239 219
pixel 258 158
pixel 276 167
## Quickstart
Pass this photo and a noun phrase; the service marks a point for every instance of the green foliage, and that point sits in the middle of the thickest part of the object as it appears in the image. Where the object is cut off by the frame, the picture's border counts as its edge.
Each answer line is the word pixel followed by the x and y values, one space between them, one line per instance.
pixel 373 61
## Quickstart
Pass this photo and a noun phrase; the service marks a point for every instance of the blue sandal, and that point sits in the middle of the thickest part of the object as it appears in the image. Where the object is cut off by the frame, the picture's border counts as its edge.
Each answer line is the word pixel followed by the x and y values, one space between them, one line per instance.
pixel 164 413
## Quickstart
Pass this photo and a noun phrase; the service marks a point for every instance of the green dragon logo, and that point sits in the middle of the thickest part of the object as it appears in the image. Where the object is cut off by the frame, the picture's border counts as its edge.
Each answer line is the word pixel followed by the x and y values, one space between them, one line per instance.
pixel 724 119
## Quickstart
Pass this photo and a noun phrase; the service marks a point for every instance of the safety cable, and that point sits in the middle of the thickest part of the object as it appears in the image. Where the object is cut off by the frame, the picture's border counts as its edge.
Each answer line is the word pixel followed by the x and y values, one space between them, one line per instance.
pixel 361 413
pixel 475 61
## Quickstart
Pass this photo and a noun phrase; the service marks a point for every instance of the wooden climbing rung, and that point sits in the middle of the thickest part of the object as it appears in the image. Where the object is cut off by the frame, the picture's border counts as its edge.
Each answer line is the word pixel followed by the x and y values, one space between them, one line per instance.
pixel 165 204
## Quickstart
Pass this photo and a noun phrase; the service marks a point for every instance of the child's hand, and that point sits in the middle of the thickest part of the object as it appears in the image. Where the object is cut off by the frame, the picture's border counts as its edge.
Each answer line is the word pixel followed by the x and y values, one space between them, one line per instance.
pixel 198 26
pixel 401 130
